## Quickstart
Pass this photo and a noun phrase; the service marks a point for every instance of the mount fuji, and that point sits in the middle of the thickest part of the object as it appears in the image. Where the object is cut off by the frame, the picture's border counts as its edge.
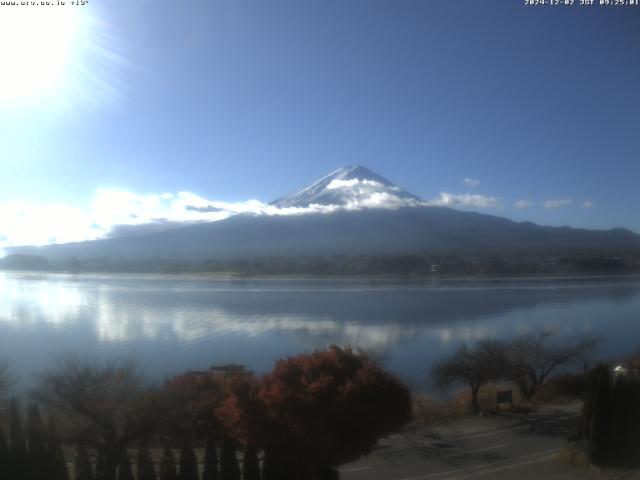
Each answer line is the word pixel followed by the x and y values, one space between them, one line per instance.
pixel 350 187
pixel 352 211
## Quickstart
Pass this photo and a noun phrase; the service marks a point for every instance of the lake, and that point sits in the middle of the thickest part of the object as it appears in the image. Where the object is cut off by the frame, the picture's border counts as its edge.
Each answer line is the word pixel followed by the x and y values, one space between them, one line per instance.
pixel 175 323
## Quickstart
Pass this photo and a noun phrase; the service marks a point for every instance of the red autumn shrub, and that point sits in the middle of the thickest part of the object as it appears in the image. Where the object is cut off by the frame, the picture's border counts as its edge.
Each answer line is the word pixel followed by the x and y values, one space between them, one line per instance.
pixel 193 398
pixel 243 412
pixel 324 408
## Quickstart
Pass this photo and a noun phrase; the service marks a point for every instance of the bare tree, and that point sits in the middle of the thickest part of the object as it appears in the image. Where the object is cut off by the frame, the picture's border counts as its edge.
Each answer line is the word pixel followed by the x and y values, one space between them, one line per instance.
pixel 532 358
pixel 380 355
pixel 104 405
pixel 483 363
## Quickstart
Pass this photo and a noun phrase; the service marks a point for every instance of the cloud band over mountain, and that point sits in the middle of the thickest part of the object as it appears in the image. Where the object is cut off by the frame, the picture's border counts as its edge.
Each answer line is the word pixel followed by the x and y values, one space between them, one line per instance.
pixel 116 213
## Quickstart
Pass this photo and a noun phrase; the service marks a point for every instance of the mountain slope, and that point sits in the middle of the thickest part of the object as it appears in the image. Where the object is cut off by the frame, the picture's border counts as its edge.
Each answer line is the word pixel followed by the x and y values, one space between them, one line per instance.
pixel 368 215
pixel 434 230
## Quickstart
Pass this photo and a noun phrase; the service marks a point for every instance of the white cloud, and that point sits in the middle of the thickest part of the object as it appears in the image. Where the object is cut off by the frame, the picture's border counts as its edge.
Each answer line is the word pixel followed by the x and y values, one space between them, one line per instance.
pixel 337 183
pixel 29 223
pixel 588 204
pixel 114 212
pixel 563 202
pixel 465 200
pixel 380 200
pixel 470 182
pixel 25 223
pixel 523 204
pixel 313 208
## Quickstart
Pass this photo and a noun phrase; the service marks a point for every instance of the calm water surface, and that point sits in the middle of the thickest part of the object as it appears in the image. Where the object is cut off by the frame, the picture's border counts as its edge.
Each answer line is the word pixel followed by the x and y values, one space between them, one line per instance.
pixel 171 324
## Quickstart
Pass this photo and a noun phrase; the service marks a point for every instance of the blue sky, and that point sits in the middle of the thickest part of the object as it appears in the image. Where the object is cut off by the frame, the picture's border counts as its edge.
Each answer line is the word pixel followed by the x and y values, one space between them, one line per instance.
pixel 231 100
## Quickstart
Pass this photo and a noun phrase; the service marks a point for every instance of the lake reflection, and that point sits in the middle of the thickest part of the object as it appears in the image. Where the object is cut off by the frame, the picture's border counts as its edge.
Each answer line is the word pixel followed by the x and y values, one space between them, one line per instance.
pixel 174 323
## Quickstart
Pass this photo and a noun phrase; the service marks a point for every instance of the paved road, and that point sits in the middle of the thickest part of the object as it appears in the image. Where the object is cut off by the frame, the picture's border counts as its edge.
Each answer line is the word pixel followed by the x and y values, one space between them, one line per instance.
pixel 505 446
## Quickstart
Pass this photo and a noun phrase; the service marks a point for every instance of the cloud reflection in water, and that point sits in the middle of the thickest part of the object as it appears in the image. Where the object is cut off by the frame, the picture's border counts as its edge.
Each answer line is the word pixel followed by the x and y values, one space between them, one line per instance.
pixel 178 321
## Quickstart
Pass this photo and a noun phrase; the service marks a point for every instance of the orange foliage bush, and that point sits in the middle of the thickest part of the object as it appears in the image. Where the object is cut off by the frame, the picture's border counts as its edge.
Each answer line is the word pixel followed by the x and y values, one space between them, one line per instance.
pixel 323 408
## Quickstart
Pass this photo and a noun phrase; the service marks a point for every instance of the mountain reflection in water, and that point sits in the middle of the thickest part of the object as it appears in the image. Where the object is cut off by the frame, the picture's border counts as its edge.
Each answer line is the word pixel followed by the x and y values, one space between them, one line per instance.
pixel 174 323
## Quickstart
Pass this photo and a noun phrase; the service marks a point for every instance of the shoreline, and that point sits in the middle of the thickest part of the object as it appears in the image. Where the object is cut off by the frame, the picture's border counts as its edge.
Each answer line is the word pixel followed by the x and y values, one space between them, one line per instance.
pixel 336 277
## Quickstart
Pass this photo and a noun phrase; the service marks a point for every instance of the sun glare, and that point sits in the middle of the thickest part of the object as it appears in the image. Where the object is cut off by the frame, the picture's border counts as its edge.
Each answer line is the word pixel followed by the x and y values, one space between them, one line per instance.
pixel 36 46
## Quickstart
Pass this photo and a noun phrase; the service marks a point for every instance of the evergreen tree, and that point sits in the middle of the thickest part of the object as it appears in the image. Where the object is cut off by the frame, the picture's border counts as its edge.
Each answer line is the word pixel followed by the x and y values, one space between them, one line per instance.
pixel 19 453
pixel 124 468
pixel 269 470
pixel 101 467
pixel 275 469
pixel 610 433
pixel 250 465
pixel 146 470
pixel 188 462
pixel 210 468
pixel 82 465
pixel 229 469
pixel 55 454
pixel 168 465
pixel 37 444
pixel 322 472
pixel 5 457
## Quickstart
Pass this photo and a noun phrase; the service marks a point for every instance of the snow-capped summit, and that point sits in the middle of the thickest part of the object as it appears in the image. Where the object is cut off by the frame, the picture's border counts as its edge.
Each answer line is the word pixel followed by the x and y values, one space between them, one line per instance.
pixel 350 187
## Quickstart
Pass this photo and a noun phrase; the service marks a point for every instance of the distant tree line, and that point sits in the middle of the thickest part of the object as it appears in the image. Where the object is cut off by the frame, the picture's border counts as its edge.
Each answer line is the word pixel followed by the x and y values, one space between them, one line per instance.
pixel 399 265
pixel 312 413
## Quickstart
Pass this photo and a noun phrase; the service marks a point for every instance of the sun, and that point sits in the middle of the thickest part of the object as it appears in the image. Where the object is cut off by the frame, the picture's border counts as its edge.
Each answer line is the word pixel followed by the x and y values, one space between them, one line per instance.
pixel 36 48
